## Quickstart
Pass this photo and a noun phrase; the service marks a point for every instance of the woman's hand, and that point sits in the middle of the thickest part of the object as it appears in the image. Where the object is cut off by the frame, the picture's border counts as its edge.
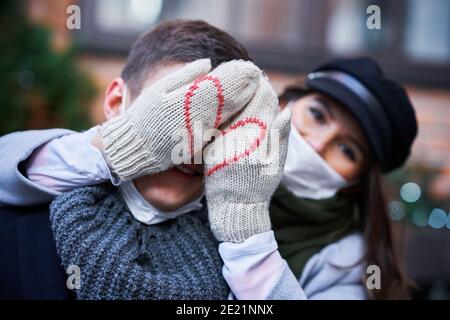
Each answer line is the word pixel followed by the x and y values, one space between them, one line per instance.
pixel 244 166
pixel 141 140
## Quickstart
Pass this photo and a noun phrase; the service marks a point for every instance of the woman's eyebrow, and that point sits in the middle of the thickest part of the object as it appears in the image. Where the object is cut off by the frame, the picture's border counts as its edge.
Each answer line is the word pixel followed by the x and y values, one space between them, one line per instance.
pixel 326 105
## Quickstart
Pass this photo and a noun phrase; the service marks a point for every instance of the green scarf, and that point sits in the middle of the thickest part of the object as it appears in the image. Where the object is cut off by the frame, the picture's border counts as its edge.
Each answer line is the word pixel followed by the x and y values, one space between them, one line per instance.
pixel 303 227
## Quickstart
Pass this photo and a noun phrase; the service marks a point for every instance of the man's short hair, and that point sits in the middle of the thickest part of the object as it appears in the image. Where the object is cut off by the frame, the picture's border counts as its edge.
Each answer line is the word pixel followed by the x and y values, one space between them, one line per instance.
pixel 178 41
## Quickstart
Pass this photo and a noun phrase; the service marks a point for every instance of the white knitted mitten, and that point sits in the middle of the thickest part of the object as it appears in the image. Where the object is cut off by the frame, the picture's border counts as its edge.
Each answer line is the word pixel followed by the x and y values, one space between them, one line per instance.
pixel 239 180
pixel 141 140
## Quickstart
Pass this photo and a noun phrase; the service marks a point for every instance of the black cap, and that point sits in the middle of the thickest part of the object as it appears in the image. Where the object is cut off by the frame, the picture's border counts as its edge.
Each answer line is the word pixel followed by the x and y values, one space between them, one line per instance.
pixel 381 105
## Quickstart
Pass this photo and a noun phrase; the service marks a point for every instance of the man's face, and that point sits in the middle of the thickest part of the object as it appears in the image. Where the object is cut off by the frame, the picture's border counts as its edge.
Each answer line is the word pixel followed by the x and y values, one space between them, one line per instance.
pixel 170 189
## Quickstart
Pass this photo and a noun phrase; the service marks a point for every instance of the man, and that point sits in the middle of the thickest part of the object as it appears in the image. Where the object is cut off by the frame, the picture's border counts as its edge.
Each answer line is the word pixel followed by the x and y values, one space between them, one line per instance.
pixel 37 166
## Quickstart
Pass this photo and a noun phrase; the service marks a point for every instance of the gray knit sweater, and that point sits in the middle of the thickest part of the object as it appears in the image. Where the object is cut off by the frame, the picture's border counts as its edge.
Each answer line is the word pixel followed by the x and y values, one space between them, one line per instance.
pixel 121 258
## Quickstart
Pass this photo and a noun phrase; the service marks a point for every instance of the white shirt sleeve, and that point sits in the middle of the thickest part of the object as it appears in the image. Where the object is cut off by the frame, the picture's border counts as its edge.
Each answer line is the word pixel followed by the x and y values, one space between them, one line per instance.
pixel 254 267
pixel 68 162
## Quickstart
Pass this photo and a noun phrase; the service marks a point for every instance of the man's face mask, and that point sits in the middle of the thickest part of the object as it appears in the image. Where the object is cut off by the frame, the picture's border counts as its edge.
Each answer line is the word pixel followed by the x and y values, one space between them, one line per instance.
pixel 124 99
pixel 144 212
pixel 306 173
pixel 139 207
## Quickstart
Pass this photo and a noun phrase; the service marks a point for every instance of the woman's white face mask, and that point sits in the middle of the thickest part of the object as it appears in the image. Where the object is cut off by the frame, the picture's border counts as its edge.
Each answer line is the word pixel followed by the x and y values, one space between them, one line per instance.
pixel 139 207
pixel 306 173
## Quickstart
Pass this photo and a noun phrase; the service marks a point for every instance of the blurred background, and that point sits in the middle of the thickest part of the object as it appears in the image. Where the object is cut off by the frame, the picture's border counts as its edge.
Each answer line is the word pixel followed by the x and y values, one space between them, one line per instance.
pixel 51 76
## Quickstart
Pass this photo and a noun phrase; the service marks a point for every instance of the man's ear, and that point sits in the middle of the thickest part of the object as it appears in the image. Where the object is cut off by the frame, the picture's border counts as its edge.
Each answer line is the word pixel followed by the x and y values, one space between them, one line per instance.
pixel 113 98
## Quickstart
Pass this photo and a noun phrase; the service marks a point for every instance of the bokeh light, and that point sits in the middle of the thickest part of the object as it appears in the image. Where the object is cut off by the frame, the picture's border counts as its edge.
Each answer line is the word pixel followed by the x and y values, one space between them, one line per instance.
pixel 396 210
pixel 438 218
pixel 448 221
pixel 419 217
pixel 410 192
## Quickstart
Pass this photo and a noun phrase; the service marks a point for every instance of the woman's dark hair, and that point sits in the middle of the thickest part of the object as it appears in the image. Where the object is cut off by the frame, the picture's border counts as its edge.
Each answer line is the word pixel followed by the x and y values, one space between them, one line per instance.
pixel 382 247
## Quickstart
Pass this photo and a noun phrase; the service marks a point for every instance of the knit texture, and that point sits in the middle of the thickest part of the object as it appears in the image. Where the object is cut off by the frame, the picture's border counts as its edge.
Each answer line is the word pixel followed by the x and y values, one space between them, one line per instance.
pixel 121 258
pixel 142 140
pixel 244 167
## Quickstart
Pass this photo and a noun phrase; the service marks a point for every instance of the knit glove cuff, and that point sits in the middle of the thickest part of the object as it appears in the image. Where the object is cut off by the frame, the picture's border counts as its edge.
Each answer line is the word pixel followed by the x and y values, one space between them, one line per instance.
pixel 125 149
pixel 236 222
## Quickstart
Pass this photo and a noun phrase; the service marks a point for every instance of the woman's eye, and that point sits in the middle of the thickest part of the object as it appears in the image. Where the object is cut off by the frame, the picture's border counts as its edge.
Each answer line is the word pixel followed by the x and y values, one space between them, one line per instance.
pixel 348 152
pixel 318 115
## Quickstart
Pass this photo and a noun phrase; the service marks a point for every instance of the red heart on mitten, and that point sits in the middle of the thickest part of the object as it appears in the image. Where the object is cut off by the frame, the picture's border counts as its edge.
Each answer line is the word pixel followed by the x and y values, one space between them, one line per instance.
pixel 187 106
pixel 256 142
pixel 237 125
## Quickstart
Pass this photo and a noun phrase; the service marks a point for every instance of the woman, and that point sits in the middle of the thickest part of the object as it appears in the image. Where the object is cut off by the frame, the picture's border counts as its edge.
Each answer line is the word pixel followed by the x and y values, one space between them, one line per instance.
pixel 329 216
pixel 354 141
